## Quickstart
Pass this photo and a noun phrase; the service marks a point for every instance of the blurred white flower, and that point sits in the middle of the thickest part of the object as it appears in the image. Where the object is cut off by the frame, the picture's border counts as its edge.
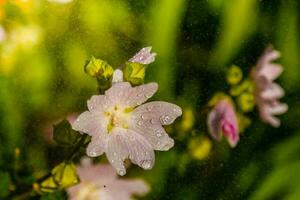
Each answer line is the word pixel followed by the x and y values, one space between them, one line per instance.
pixel 267 93
pixel 123 128
pixel 222 120
pixel 26 36
pixel 144 56
pixel 2 34
pixel 100 182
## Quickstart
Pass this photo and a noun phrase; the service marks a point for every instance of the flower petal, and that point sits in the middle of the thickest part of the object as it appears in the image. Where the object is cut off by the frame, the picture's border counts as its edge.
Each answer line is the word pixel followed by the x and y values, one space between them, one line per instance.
pixel 144 56
pixel 116 151
pixel 158 112
pixel 97 103
pixel 140 94
pixel 90 123
pixel 148 120
pixel 97 146
pixel 213 121
pixel 272 91
pixel 139 149
pixel 118 93
pixel 271 71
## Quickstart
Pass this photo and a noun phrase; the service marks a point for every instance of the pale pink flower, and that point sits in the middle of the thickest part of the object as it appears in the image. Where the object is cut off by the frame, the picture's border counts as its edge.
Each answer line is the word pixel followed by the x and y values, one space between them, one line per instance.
pixel 100 182
pixel 267 93
pixel 144 56
pixel 123 128
pixel 222 120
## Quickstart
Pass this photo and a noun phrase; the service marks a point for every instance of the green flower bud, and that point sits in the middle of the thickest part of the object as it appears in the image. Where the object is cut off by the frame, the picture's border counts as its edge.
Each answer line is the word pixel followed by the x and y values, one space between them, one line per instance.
pixel 98 68
pixel 234 75
pixel 65 175
pixel 134 72
pixel 246 102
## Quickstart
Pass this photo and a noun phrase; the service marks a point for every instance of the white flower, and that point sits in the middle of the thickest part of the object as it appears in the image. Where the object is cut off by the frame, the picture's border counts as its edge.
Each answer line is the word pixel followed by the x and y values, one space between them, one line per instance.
pixel 144 56
pixel 100 182
pixel 267 93
pixel 123 128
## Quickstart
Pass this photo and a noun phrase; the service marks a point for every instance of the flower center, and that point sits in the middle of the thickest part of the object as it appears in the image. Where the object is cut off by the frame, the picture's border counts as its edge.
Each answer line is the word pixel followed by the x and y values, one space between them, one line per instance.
pixel 118 116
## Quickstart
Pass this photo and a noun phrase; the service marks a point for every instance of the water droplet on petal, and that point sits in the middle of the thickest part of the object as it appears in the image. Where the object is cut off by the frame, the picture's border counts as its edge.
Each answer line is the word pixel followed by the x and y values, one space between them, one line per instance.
pixel 148 95
pixel 158 133
pixel 165 119
pixel 143 116
pixel 92 153
pixel 121 172
pixel 140 123
pixel 146 164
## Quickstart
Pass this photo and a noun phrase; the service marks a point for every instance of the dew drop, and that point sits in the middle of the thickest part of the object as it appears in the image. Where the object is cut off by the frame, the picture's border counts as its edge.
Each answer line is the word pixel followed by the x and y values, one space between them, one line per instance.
pixel 92 153
pixel 121 172
pixel 140 123
pixel 158 133
pixel 146 164
pixel 143 116
pixel 148 95
pixel 165 119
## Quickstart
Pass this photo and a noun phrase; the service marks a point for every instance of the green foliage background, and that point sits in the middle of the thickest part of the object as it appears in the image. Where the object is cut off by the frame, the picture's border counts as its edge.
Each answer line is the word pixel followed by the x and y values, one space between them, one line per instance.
pixel 42 80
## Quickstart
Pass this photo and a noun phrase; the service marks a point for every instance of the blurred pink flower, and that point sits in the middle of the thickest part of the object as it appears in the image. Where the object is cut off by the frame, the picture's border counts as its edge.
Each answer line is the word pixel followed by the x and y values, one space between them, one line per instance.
pixel 266 91
pixel 100 182
pixel 123 128
pixel 144 56
pixel 222 120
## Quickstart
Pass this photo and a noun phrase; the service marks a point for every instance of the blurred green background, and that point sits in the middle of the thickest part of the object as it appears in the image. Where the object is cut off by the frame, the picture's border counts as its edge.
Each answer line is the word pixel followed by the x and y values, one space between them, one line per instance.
pixel 45 44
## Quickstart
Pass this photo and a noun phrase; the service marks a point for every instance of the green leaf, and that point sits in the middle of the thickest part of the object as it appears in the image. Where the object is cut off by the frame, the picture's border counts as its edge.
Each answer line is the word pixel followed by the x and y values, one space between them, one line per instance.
pixel 4 183
pixel 58 195
pixel 64 135
pixel 134 73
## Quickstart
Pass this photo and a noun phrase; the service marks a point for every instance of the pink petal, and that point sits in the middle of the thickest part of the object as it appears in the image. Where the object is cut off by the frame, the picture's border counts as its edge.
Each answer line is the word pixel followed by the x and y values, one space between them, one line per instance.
pixel 273 91
pixel 213 121
pixel 144 56
pixel 118 93
pixel 117 151
pixel 90 123
pixel 139 149
pixel 148 120
pixel 126 143
pixel 97 146
pixel 271 71
pixel 140 94
pixel 97 103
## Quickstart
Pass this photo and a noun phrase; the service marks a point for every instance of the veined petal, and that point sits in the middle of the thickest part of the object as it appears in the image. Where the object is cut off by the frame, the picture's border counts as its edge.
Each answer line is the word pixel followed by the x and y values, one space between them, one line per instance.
pixel 97 146
pixel 90 123
pixel 118 93
pixel 140 94
pixel 117 151
pixel 155 134
pixel 139 149
pixel 144 56
pixel 158 112
pixel 97 103
pixel 148 119
pixel 272 91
